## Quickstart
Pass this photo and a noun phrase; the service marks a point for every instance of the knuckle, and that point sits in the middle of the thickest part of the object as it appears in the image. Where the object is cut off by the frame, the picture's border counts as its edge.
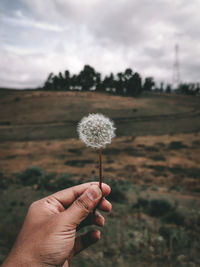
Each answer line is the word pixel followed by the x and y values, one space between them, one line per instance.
pixel 33 206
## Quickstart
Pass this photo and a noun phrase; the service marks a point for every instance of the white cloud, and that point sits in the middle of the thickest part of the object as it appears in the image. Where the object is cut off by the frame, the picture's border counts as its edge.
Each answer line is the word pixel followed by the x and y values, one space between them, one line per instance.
pixel 21 21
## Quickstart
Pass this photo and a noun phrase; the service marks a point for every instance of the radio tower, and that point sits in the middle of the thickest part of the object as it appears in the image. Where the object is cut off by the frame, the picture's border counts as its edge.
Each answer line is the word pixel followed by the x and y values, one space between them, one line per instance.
pixel 176 70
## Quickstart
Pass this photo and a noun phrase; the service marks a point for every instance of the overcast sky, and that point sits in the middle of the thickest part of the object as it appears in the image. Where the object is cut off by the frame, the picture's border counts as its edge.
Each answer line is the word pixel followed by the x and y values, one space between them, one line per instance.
pixel 42 36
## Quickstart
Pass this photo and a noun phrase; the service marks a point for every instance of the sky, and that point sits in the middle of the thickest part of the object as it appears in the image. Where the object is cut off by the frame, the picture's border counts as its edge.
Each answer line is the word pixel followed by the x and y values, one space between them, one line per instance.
pixel 42 36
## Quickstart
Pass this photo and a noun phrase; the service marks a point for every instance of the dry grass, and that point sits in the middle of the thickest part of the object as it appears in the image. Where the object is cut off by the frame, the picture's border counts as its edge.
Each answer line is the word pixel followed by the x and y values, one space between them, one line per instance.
pixel 135 159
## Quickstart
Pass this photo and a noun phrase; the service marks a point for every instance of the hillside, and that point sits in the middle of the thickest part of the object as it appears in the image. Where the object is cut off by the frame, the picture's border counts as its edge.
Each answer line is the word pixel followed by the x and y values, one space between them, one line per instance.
pixel 36 115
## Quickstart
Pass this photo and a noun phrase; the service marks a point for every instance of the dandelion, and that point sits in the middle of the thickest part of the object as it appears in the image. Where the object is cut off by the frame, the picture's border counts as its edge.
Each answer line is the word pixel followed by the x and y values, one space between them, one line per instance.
pixel 96 131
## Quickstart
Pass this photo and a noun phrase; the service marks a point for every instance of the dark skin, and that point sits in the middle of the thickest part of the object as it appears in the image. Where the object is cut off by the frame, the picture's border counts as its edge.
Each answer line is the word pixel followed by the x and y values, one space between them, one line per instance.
pixel 49 234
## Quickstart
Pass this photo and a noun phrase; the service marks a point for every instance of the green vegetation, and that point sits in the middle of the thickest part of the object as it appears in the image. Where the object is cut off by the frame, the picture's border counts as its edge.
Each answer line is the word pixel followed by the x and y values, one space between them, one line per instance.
pixel 34 176
pixel 140 230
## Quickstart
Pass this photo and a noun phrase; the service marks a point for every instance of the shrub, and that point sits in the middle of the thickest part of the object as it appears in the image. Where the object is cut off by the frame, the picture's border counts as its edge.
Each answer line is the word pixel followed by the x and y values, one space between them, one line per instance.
pixel 154 188
pixel 75 151
pixel 4 181
pixel 31 176
pixel 175 145
pixel 117 195
pixel 142 203
pixel 133 152
pixel 165 231
pixel 63 181
pixel 118 189
pixel 174 217
pixel 151 149
pixel 158 168
pixel 78 163
pixel 51 182
pixel 177 188
pixel 48 180
pixel 158 157
pixel 187 172
pixel 159 207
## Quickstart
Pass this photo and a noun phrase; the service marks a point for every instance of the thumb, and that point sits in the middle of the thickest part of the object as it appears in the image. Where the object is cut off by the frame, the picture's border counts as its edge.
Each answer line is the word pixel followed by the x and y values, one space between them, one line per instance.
pixel 82 206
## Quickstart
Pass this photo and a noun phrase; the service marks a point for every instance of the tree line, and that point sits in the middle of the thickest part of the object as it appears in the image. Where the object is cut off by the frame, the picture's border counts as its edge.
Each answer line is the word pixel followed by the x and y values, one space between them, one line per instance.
pixel 127 83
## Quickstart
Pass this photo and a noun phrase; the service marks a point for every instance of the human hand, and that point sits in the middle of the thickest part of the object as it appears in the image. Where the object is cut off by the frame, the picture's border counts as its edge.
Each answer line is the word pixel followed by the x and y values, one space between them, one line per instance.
pixel 48 236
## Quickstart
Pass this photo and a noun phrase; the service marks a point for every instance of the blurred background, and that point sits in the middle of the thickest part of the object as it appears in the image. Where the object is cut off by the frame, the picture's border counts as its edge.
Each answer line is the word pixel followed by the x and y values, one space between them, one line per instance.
pixel 136 62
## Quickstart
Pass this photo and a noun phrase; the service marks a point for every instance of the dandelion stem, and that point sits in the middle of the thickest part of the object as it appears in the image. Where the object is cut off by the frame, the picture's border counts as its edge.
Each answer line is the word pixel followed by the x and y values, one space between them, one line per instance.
pixel 100 173
pixel 100 168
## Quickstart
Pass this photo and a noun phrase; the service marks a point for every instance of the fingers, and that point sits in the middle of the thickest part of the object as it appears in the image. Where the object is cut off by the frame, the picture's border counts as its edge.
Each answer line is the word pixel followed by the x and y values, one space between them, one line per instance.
pixel 82 206
pixel 92 219
pixel 84 241
pixel 69 195
pixel 105 205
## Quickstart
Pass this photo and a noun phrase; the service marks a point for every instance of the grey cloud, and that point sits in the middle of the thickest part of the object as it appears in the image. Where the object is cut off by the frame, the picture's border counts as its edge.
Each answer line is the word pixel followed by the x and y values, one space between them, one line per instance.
pixel 110 35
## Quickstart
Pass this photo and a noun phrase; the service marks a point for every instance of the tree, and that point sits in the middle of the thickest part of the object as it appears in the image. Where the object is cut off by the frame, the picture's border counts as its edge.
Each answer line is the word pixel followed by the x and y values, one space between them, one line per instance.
pixel 133 83
pixel 67 80
pixel 87 78
pixel 98 83
pixel 189 88
pixel 119 84
pixel 61 82
pixel 48 83
pixel 168 89
pixel 55 83
pixel 137 84
pixel 128 74
pixel 109 83
pixel 148 84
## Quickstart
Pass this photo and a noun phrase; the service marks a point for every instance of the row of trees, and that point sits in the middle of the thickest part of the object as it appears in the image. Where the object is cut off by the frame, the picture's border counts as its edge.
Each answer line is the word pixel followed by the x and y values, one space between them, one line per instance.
pixel 124 83
pixel 127 83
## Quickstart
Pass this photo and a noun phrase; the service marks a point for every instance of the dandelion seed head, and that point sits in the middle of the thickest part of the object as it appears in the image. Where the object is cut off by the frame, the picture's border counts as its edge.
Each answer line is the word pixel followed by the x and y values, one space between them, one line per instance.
pixel 96 130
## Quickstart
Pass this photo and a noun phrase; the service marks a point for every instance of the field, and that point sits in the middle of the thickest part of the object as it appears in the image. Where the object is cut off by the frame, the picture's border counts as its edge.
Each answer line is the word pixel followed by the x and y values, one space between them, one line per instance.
pixel 153 167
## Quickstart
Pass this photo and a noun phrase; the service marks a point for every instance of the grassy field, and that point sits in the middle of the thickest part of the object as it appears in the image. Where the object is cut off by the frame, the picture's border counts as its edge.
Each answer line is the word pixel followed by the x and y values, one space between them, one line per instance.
pixel 153 167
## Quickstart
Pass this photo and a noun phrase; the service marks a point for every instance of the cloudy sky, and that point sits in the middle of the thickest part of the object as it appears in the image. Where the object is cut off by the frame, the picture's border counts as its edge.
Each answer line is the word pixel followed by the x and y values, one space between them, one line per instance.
pixel 42 36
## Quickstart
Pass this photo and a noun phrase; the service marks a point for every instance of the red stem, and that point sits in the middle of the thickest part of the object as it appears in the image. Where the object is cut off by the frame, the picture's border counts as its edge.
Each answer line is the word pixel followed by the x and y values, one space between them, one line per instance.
pixel 100 173
pixel 100 168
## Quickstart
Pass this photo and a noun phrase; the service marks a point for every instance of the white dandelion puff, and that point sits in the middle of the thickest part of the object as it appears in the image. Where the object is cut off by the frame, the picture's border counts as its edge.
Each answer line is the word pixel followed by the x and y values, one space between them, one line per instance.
pixel 96 130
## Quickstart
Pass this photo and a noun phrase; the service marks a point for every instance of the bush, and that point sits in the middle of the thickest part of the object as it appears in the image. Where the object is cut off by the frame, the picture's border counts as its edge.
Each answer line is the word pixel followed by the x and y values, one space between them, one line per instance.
pixel 177 188
pixel 142 202
pixel 154 188
pixel 78 163
pixel 174 217
pixel 63 181
pixel 49 181
pixel 118 190
pixel 165 232
pixel 4 181
pixel 31 176
pixel 176 145
pixel 159 207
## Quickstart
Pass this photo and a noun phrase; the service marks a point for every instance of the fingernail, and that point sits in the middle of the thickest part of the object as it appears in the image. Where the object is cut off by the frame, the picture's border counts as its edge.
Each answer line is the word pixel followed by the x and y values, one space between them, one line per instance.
pixel 94 192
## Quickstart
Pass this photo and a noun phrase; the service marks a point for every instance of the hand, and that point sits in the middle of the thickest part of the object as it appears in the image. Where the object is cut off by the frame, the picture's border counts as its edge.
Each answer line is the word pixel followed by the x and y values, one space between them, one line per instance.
pixel 48 236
